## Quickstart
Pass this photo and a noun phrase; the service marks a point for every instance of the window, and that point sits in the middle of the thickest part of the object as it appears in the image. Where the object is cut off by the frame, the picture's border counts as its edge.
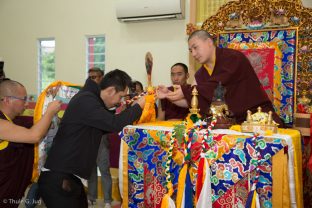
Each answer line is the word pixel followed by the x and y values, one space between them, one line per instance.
pixel 46 63
pixel 96 52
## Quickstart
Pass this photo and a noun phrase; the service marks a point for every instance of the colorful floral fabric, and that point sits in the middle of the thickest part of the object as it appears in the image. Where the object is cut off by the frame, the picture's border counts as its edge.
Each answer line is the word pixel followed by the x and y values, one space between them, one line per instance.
pixel 232 158
pixel 57 90
pixel 284 44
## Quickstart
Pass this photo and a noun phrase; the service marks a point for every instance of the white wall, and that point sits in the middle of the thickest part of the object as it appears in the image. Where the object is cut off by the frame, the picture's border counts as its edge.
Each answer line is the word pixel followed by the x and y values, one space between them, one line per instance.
pixel 307 3
pixel 23 22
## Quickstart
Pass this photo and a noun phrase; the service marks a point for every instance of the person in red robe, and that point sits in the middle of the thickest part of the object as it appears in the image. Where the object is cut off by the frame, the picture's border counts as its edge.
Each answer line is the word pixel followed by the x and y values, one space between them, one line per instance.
pixel 166 109
pixel 16 154
pixel 234 71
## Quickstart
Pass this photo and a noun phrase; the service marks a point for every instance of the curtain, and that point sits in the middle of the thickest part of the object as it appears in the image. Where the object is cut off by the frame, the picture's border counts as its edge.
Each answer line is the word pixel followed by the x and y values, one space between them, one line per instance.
pixel 207 8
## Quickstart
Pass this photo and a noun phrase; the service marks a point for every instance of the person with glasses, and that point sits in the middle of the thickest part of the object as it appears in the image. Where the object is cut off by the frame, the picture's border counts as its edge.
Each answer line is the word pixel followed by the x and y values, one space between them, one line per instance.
pixel 16 155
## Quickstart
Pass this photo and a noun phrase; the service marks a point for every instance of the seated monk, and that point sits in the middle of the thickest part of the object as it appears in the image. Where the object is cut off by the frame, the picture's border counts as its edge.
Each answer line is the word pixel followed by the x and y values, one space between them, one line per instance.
pixel 229 67
pixel 166 109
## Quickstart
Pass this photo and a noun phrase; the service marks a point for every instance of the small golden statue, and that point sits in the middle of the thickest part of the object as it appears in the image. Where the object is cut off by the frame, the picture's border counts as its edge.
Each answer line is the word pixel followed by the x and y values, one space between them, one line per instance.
pixel 194 102
pixel 219 110
pixel 304 100
pixel 259 122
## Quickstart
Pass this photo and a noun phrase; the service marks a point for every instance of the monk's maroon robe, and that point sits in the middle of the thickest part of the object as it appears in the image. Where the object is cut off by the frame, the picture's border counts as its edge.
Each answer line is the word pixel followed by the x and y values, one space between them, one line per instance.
pixel 243 88
pixel 16 164
pixel 173 111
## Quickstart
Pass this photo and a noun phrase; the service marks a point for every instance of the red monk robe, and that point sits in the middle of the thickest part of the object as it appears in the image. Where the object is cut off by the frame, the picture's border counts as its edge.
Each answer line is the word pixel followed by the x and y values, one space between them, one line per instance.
pixel 16 164
pixel 243 88
pixel 173 111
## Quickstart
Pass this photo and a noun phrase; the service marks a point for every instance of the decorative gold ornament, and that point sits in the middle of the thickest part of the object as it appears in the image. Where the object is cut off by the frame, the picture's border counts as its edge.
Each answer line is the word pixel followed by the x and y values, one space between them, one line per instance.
pixel 235 22
pixel 219 110
pixel 259 122
pixel 190 28
pixel 304 100
pixel 194 102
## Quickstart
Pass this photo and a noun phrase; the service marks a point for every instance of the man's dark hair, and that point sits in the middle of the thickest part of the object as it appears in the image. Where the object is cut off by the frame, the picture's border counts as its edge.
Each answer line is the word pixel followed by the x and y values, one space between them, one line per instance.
pixel 201 34
pixel 4 79
pixel 2 74
pixel 96 69
pixel 182 65
pixel 116 78
pixel 135 83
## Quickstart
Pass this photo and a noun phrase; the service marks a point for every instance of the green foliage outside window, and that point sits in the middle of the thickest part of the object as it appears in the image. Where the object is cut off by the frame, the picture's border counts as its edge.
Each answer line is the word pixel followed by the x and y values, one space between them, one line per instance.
pixel 47 69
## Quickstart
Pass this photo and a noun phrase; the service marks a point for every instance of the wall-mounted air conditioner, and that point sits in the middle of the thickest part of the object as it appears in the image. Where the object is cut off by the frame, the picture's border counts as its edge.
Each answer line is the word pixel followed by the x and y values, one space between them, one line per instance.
pixel 143 10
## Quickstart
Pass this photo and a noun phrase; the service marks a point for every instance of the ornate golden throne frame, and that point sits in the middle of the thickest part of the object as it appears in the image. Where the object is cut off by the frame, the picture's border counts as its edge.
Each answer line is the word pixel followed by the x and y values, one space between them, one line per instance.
pixel 266 15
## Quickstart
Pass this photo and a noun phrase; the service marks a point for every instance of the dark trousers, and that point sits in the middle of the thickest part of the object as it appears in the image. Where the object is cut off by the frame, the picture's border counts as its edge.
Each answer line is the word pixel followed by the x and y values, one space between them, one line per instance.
pixel 61 190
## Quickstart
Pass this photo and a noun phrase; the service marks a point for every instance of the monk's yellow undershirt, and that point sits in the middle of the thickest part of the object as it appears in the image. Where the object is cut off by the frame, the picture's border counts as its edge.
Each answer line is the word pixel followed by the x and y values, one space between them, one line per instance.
pixel 4 143
pixel 210 70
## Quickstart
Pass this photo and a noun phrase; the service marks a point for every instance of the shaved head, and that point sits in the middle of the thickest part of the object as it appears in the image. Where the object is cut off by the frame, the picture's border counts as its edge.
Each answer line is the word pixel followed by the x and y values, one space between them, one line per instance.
pixel 9 87
pixel 201 34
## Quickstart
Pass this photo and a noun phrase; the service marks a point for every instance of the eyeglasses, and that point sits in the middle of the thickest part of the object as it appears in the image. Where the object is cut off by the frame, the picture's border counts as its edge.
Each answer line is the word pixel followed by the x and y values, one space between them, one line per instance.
pixel 17 98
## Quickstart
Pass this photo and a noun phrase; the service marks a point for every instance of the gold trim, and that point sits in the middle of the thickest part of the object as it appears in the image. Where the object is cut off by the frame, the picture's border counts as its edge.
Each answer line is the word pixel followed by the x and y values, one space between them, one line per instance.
pixel 125 182
pixel 296 71
pixel 260 30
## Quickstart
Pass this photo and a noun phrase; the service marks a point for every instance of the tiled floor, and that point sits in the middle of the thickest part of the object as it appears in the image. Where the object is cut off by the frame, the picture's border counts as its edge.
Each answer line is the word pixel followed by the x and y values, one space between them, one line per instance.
pixel 99 204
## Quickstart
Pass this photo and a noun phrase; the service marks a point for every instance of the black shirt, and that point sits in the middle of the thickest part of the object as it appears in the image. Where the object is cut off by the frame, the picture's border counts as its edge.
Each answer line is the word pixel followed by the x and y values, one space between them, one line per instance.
pixel 86 119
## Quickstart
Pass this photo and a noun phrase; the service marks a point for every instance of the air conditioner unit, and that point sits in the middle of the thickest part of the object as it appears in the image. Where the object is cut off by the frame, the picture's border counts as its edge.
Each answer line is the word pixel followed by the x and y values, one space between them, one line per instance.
pixel 144 10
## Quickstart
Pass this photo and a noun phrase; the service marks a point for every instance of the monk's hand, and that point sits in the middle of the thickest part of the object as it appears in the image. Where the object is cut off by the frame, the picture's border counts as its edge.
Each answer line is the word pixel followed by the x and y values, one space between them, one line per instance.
pixel 161 92
pixel 54 106
pixel 177 94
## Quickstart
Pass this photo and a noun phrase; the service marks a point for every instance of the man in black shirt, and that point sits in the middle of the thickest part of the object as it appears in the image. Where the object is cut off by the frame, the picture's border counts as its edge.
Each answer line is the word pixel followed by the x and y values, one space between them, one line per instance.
pixel 74 150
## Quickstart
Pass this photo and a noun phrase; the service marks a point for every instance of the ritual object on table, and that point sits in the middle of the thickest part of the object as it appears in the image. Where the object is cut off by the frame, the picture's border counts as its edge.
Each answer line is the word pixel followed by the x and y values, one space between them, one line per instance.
pixel 194 118
pixel 219 110
pixel 259 122
pixel 194 102
pixel 149 112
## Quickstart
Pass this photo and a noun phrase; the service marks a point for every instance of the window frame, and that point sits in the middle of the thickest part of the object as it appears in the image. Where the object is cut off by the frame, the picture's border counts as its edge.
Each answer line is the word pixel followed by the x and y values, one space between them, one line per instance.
pixel 88 37
pixel 39 61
